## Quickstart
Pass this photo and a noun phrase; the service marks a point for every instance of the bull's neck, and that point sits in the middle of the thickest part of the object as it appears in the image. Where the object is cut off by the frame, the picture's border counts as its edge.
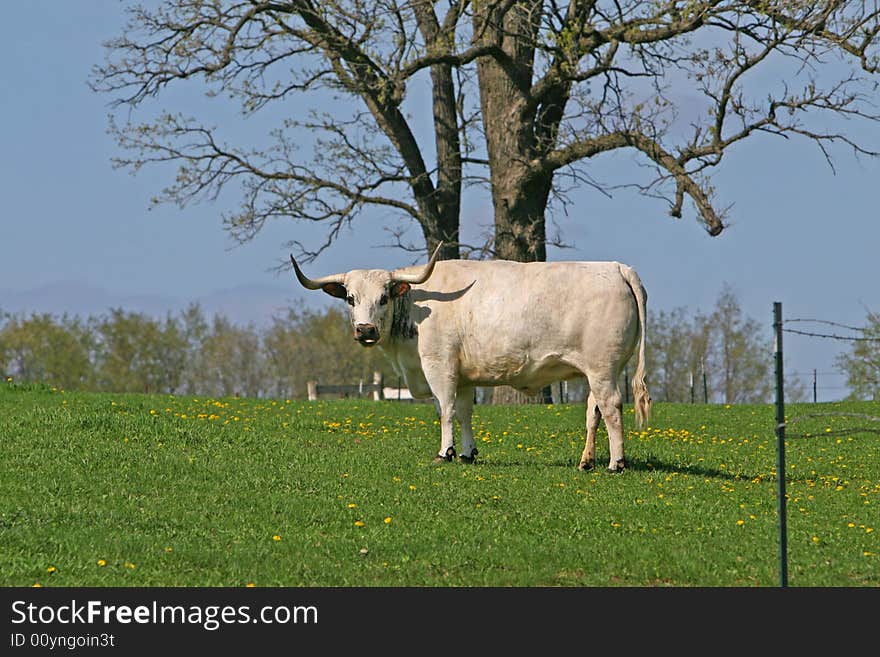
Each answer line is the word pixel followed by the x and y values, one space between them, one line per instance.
pixel 402 325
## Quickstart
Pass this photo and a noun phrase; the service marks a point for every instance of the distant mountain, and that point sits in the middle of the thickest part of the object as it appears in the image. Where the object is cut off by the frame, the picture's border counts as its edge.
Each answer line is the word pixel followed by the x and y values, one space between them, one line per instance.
pixel 242 304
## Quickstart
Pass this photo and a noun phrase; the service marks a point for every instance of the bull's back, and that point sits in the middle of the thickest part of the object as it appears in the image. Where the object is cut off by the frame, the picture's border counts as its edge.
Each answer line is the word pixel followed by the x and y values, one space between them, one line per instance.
pixel 517 323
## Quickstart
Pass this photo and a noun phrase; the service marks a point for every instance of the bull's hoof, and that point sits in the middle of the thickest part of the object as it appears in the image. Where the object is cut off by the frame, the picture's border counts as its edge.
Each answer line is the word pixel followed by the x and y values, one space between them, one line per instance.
pixel 469 459
pixel 620 466
pixel 449 456
pixel 586 466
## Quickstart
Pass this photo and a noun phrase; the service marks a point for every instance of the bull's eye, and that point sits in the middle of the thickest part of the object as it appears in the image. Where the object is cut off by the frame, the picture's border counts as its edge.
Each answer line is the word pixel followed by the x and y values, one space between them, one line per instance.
pixel 383 300
pixel 350 300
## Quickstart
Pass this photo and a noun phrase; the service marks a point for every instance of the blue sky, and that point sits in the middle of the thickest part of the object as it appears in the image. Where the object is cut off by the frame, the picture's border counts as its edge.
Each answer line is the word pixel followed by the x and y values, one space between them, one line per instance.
pixel 79 236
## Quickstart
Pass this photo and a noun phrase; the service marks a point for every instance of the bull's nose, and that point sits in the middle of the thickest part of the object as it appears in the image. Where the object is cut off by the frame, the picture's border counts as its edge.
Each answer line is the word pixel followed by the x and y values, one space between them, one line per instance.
pixel 366 333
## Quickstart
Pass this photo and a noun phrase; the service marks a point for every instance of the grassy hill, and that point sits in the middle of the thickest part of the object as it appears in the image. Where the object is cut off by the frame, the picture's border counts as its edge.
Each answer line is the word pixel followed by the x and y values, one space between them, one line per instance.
pixel 137 490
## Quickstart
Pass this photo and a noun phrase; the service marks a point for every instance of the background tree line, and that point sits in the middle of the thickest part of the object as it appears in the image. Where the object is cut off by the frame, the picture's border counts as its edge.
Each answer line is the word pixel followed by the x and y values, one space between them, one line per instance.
pixel 189 353
pixel 723 356
pixel 186 353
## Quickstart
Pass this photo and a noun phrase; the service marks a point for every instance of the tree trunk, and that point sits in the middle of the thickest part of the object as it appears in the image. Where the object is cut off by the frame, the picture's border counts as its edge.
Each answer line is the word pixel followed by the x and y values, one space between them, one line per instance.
pixel 519 195
pixel 520 232
pixel 444 225
pixel 508 395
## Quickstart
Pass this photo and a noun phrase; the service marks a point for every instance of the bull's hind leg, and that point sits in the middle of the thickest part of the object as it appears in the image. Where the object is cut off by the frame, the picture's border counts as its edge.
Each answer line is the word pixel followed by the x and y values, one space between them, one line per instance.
pixel 610 404
pixel 588 458
pixel 464 408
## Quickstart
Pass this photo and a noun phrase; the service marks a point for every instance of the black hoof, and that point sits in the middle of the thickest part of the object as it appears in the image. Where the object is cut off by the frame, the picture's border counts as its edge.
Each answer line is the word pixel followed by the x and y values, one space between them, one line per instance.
pixel 620 466
pixel 450 455
pixel 469 459
pixel 585 466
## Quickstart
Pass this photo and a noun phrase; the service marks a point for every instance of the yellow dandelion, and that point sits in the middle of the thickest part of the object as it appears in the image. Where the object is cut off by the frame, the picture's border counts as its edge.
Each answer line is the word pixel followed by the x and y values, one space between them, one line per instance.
pixel 850 524
pixel 815 539
pixel 411 487
pixel 250 585
pixel 102 562
pixel 387 520
pixel 36 585
pixel 276 537
pixel 740 522
pixel 169 549
pixel 352 506
pixel 358 523
pixel 868 530
pixel 51 569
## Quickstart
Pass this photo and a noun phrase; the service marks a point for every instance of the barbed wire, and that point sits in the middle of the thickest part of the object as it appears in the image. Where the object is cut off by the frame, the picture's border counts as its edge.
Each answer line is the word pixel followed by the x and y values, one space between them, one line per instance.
pixel 825 321
pixel 832 336
pixel 813 416
pixel 847 431
pixel 811 373
pixel 835 433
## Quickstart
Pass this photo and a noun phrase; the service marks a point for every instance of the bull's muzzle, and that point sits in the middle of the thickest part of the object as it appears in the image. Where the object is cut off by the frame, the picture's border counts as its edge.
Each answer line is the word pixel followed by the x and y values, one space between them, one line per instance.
pixel 366 334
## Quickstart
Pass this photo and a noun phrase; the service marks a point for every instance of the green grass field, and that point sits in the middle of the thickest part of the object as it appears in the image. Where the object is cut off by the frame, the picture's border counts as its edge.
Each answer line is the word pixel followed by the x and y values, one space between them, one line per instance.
pixel 137 490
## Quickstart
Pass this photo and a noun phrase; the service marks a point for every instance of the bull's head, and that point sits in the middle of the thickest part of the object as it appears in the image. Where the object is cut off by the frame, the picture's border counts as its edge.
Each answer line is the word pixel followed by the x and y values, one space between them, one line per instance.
pixel 369 293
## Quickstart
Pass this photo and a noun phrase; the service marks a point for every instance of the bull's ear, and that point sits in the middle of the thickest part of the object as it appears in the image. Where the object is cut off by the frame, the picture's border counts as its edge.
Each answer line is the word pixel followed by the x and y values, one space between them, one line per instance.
pixel 335 290
pixel 398 289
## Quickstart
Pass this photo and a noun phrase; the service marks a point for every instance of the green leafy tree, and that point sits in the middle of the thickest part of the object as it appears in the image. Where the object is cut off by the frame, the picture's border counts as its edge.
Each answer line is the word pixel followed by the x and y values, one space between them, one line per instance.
pixel 862 363
pixel 725 355
pixel 330 353
pixel 230 361
pixel 41 348
pixel 285 353
pixel 137 353
pixel 194 328
pixel 740 353
pixel 668 353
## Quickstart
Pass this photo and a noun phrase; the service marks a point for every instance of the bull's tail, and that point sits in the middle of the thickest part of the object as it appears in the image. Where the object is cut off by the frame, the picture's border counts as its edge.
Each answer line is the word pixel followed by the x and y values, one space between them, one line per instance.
pixel 641 396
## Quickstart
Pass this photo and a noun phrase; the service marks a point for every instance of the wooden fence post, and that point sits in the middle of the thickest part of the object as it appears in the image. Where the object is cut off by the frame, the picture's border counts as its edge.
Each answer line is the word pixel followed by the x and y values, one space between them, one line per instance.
pixel 379 390
pixel 313 390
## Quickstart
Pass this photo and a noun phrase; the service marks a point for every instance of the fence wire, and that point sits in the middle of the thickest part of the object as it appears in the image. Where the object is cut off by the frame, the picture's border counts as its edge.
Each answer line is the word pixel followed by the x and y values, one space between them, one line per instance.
pixel 831 336
pixel 782 423
pixel 846 431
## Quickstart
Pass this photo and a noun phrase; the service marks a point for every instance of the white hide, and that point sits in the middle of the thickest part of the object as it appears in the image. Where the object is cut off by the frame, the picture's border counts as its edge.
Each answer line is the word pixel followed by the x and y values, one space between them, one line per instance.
pixel 489 323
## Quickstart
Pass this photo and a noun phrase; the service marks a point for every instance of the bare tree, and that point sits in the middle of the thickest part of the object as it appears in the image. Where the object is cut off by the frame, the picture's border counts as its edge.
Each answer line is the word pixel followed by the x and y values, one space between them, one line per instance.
pixel 532 91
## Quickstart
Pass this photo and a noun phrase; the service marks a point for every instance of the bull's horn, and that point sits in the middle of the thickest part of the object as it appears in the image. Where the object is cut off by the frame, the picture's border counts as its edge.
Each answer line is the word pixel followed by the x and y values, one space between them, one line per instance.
pixel 415 279
pixel 314 283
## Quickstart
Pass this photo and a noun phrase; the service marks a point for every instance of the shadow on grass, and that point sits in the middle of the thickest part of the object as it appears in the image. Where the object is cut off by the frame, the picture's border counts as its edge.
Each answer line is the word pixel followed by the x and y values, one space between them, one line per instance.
pixel 650 464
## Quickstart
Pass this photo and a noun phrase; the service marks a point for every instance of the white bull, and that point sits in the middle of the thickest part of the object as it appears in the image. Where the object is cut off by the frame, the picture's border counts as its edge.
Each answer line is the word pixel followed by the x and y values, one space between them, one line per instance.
pixel 455 324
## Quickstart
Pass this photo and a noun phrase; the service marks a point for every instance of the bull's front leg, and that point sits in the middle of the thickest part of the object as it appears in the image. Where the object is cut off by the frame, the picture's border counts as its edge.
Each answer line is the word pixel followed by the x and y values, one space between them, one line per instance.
pixel 447 437
pixel 442 381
